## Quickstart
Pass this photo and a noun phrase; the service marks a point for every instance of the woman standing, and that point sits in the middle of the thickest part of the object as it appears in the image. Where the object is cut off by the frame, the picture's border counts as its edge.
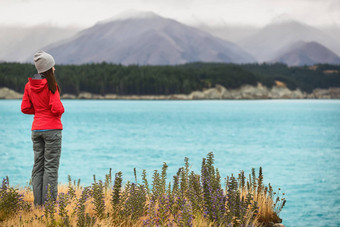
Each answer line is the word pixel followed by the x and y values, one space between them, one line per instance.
pixel 42 98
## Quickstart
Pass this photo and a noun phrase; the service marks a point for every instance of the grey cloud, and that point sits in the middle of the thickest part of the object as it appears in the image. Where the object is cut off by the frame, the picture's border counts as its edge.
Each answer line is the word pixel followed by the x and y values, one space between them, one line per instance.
pixel 335 6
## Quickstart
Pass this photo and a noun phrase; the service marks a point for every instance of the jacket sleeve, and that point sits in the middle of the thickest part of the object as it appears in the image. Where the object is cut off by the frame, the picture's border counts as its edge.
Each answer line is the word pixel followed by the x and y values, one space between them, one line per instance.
pixel 56 106
pixel 26 103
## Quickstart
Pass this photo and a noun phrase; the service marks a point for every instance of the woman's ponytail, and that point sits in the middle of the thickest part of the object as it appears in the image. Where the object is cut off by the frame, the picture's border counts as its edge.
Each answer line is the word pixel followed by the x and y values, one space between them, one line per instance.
pixel 51 81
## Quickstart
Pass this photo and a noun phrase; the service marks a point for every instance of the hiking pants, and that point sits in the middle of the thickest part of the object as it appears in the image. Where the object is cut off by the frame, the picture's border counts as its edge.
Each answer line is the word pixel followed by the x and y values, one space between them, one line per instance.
pixel 47 150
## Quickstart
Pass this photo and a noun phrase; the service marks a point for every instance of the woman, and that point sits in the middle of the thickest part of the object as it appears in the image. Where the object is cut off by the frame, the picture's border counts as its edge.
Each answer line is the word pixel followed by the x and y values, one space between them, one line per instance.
pixel 42 98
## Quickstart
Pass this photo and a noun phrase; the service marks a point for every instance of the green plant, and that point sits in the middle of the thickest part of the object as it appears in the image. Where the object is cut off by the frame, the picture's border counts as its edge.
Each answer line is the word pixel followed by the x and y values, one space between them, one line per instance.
pixel 82 217
pixel 134 205
pixel 63 202
pixel 156 185
pixel 108 180
pixel 71 190
pixel 116 191
pixel 50 208
pixel 11 201
pixel 97 194
pixel 145 182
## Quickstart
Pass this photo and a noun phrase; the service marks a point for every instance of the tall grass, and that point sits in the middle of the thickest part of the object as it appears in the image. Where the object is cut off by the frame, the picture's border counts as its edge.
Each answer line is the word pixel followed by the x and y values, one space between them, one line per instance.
pixel 190 199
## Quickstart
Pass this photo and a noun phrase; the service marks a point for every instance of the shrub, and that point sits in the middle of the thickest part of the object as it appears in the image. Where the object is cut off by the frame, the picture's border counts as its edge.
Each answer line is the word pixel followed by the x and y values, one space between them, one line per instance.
pixel 11 202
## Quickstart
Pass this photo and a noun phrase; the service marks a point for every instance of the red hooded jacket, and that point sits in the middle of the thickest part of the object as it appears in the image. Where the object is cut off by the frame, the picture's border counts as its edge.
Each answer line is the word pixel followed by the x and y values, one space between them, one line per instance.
pixel 46 106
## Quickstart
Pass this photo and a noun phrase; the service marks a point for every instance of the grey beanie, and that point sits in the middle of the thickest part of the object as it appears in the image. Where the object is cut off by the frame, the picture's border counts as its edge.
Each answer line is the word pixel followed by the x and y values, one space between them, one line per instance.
pixel 43 61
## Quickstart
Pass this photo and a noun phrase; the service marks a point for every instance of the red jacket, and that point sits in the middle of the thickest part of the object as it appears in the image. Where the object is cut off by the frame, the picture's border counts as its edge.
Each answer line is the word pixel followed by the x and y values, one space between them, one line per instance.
pixel 46 106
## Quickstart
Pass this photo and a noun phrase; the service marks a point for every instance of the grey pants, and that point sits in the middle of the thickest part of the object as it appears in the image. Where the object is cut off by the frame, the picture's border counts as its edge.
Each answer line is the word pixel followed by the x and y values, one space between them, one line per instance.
pixel 47 150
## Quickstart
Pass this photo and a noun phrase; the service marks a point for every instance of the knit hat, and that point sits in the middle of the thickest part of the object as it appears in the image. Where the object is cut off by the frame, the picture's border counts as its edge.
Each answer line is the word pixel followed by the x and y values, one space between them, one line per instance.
pixel 43 61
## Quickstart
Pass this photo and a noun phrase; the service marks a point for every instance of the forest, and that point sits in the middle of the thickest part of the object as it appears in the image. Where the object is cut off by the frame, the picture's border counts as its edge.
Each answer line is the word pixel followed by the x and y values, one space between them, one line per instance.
pixel 106 78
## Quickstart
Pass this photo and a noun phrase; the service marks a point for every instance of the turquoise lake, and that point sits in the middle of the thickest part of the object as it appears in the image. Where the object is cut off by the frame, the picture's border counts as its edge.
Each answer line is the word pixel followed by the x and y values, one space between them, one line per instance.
pixel 297 143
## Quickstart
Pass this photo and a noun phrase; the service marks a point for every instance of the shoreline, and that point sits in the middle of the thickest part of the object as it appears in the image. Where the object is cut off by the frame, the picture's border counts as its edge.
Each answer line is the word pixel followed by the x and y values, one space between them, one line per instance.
pixel 246 92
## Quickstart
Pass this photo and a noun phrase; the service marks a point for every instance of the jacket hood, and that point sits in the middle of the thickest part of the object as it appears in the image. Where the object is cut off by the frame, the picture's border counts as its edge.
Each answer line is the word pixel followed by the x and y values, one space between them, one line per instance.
pixel 37 85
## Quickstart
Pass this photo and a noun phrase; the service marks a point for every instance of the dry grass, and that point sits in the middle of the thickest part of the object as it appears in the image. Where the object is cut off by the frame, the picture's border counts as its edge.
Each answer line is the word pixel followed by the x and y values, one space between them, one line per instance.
pixel 36 218
pixel 244 202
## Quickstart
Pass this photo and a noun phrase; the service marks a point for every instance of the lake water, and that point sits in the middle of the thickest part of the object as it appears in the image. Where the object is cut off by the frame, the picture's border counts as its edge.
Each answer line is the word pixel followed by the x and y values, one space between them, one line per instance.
pixel 297 142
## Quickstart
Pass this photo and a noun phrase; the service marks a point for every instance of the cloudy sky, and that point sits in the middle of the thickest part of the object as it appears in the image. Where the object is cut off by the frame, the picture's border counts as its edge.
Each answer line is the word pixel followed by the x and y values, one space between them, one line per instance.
pixel 85 13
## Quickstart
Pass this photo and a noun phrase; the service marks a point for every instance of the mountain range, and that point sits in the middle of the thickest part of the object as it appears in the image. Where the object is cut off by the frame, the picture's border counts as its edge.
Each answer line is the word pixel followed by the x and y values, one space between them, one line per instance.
pixel 268 42
pixel 146 39
pixel 274 40
pixel 149 39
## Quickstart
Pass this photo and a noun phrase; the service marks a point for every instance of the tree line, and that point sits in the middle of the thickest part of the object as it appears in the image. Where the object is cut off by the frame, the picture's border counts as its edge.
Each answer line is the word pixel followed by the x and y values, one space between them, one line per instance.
pixel 105 78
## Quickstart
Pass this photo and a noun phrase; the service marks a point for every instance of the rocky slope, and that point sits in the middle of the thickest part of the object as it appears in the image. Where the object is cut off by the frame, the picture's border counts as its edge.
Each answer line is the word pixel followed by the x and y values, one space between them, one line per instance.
pixel 6 93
